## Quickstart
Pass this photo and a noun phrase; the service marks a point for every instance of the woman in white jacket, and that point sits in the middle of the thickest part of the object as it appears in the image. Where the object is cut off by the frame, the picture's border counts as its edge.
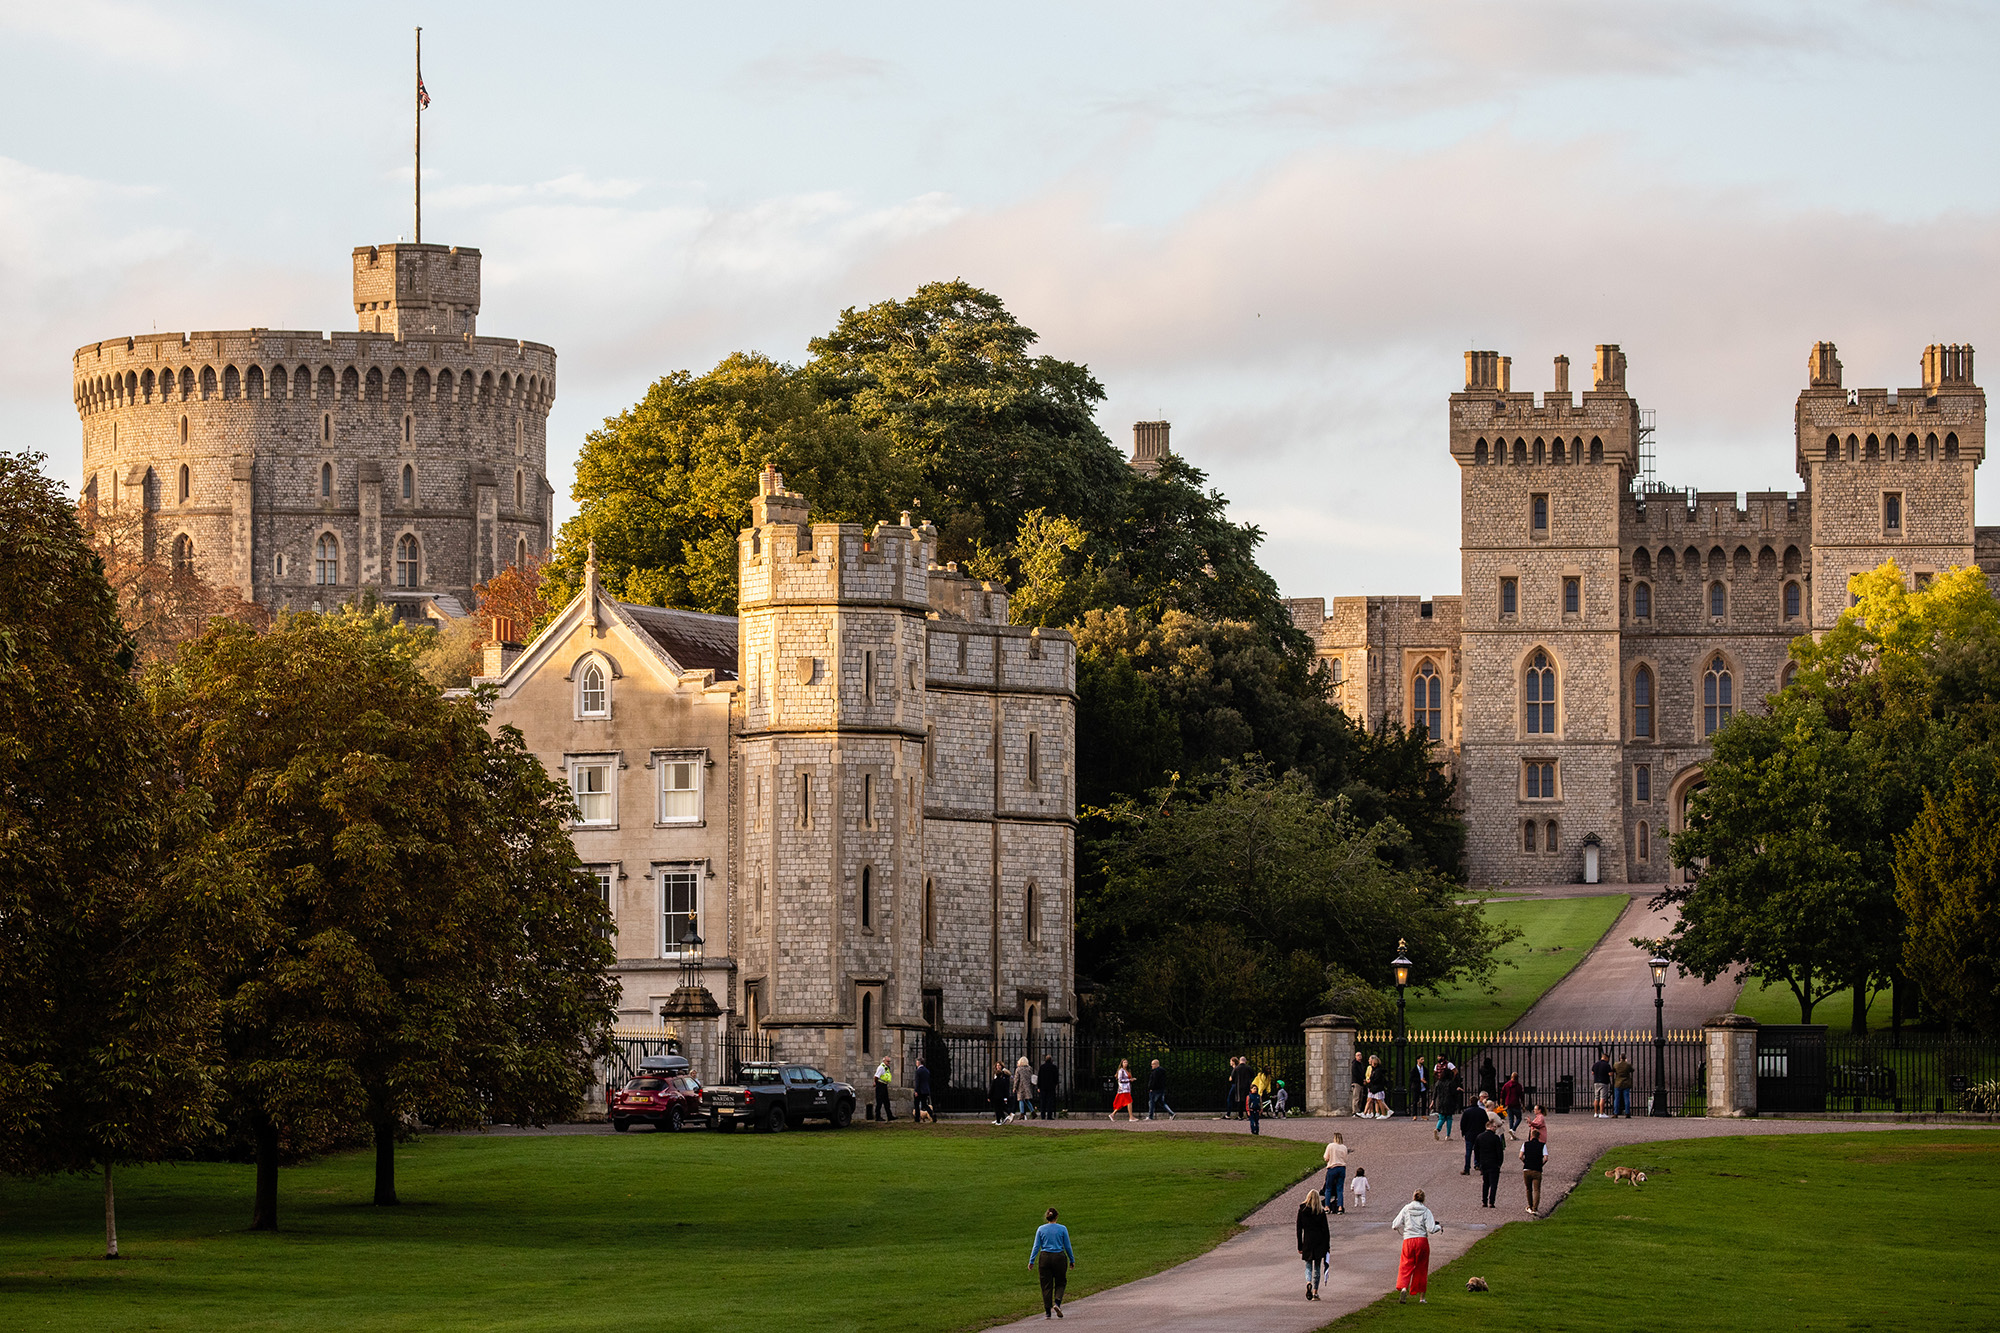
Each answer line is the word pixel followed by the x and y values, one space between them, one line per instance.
pixel 1416 1225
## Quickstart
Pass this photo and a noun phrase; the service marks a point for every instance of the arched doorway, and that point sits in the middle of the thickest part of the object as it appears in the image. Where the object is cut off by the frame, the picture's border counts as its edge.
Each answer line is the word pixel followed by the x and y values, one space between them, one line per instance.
pixel 1684 786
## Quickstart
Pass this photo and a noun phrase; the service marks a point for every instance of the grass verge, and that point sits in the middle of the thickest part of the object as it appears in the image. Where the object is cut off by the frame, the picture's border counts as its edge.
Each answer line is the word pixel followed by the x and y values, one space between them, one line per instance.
pixel 1878 1231
pixel 1555 935
pixel 864 1229
pixel 1773 1002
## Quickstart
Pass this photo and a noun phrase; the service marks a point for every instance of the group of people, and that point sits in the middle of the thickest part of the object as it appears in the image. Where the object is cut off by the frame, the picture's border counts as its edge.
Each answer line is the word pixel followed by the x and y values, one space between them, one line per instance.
pixel 1019 1094
pixel 1611 1088
pixel 1413 1228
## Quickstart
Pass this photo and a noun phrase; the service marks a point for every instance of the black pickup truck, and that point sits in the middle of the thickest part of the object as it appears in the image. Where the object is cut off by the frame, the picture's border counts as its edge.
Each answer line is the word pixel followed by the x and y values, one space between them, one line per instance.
pixel 775 1096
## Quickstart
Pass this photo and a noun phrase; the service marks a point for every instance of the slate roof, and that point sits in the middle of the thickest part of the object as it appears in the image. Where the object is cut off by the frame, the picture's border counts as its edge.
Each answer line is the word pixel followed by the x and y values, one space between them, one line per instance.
pixel 695 640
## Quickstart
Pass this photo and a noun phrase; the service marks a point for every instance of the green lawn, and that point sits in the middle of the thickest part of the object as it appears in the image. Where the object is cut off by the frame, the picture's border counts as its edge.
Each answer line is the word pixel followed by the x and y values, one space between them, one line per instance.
pixel 1773 1002
pixel 894 1228
pixel 1894 1230
pixel 1555 935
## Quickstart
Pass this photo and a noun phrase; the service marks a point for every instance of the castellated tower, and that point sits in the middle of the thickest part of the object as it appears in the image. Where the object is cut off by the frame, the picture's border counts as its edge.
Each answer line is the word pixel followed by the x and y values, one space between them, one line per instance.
pixel 1541 489
pixel 908 817
pixel 1891 473
pixel 407 457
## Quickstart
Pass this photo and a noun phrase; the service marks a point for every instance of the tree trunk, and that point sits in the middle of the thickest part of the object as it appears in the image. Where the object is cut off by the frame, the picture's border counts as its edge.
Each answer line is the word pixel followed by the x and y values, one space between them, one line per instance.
pixel 110 1217
pixel 1858 1026
pixel 385 1162
pixel 264 1214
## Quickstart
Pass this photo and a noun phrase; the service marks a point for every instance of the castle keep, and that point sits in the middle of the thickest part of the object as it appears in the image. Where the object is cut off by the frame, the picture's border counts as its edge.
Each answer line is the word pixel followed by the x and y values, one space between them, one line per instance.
pixel 299 468
pixel 1607 627
pixel 858 792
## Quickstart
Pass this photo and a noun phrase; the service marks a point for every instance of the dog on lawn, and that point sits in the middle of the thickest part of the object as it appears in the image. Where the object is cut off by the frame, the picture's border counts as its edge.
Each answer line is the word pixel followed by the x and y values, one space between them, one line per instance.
pixel 1625 1173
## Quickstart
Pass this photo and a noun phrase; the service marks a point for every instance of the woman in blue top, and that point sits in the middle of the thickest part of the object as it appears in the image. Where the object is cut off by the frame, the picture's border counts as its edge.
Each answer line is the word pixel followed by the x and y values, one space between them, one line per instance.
pixel 1052 1258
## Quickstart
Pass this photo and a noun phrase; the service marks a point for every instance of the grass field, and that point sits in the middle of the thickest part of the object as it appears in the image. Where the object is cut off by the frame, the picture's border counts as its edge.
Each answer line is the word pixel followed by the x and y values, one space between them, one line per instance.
pixel 1555 935
pixel 1773 1002
pixel 863 1229
pixel 1880 1231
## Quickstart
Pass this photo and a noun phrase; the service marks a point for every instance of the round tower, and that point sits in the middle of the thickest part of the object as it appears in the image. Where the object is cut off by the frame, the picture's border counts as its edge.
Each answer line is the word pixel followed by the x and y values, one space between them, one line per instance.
pixel 408 457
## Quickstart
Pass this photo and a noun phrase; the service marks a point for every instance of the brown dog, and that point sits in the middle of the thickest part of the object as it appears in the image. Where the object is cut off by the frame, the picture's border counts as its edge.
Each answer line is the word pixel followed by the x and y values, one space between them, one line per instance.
pixel 1631 1173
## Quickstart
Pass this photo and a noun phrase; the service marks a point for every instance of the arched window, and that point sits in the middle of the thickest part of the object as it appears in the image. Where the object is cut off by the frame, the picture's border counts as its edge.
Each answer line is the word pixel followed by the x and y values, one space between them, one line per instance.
pixel 1596 450
pixel 1427 701
pixel 1833 448
pixel 183 554
pixel 593 699
pixel 326 559
pixel 868 897
pixel 1528 835
pixel 1520 452
pixel 186 488
pixel 1642 702
pixel 1479 454
pixel 1718 600
pixel 1031 914
pixel 867 1022
pixel 1873 449
pixel 409 482
pixel 1786 676
pixel 325 481
pixel 1853 449
pixel 1549 836
pixel 1572 596
pixel 930 911
pixel 408 566
pixel 520 553
pixel 1540 695
pixel 1718 696
pixel 1951 445
pixel 1645 842
pixel 520 490
pixel 1791 601
pixel 1642 601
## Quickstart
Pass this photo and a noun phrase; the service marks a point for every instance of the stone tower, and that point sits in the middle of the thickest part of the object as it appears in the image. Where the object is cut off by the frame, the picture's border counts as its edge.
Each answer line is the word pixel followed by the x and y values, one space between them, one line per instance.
pixel 832 645
pixel 302 467
pixel 1541 489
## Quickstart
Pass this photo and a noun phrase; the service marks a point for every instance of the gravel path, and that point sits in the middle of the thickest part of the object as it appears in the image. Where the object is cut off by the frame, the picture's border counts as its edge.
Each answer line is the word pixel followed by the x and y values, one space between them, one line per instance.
pixel 1613 988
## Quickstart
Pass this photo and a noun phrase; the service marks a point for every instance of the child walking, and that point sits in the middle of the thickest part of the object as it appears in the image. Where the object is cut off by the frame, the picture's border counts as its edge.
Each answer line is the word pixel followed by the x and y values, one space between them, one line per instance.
pixel 1360 1187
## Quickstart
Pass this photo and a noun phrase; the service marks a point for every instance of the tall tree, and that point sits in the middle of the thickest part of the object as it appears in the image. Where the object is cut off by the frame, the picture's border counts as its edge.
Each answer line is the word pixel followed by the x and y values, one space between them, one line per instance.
pixel 1948 884
pixel 161 602
pixel 413 938
pixel 107 1051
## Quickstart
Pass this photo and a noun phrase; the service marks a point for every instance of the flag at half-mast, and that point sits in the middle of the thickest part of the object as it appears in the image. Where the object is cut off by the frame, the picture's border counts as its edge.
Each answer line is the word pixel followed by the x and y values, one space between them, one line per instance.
pixel 423 98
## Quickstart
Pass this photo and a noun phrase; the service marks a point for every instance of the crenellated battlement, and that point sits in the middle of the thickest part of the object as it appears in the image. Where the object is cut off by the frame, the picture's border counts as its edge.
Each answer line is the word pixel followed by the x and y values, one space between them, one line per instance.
pixel 1491 423
pixel 404 288
pixel 784 558
pixel 1943 420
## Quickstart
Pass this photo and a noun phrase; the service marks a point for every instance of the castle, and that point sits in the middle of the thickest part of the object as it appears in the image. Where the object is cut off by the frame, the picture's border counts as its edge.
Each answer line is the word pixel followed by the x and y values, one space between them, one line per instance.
pixel 1606 627
pixel 847 813
pixel 300 468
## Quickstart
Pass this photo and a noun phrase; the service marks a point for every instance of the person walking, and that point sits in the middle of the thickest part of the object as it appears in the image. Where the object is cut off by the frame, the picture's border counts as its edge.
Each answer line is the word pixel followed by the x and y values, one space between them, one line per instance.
pixel 1122 1101
pixel 1621 1088
pixel 1052 1257
pixel 1332 1193
pixel 1229 1099
pixel 1471 1124
pixel 1510 1100
pixel 1239 1085
pixel 1253 1111
pixel 1156 1093
pixel 1415 1226
pixel 1489 1152
pixel 883 1078
pixel 1486 1076
pixel 1315 1240
pixel 1048 1083
pixel 1378 1090
pixel 1261 1084
pixel 1600 1087
pixel 1420 1089
pixel 1534 1153
pixel 920 1109
pixel 1538 1126
pixel 1358 1083
pixel 1001 1090
pixel 1023 1090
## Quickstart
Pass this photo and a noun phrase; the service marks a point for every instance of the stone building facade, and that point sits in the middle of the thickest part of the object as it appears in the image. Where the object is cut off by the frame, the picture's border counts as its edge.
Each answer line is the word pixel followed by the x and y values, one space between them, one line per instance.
pixel 1606 627
pixel 860 788
pixel 299 468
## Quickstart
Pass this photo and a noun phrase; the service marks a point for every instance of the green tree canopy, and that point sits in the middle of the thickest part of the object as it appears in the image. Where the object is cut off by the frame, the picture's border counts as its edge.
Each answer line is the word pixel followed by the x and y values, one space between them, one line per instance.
pixel 1948 885
pixel 1245 901
pixel 107 1051
pixel 410 936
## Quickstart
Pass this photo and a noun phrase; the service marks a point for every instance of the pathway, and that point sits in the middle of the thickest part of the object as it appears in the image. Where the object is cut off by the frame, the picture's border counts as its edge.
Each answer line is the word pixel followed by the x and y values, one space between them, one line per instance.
pixel 1613 988
pixel 1255 1279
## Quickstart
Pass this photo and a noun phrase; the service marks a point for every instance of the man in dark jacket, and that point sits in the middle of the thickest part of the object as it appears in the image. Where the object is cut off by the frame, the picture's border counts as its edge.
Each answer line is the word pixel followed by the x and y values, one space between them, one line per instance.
pixel 1489 1150
pixel 1002 1092
pixel 1047 1081
pixel 1533 1154
pixel 1360 1087
pixel 1471 1123
pixel 1156 1094
pixel 921 1107
pixel 1239 1084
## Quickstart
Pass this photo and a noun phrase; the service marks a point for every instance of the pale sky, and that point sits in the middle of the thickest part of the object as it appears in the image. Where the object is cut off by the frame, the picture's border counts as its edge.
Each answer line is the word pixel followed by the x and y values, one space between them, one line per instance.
pixel 1277 225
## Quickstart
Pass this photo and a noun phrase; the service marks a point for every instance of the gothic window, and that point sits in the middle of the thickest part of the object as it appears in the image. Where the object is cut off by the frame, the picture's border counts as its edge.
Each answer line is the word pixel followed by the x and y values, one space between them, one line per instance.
pixel 186 489
pixel 1540 695
pixel 1642 783
pixel 1645 842
pixel 408 565
pixel 1791 601
pixel 1718 600
pixel 1538 779
pixel 1892 511
pixel 1596 450
pixel 183 554
pixel 409 482
pixel 1549 836
pixel 1338 666
pixel 1538 513
pixel 325 481
pixel 520 490
pixel 1642 601
pixel 520 553
pixel 1833 448
pixel 1479 454
pixel 1427 701
pixel 1718 698
pixel 1786 676
pixel 1642 703
pixel 1510 596
pixel 1528 838
pixel 1572 596
pixel 592 698
pixel 326 559
pixel 867 1023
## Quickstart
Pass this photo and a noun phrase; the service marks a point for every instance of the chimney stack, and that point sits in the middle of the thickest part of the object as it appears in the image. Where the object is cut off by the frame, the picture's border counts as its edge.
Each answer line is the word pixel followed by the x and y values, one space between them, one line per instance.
pixel 1562 374
pixel 1823 367
pixel 1149 445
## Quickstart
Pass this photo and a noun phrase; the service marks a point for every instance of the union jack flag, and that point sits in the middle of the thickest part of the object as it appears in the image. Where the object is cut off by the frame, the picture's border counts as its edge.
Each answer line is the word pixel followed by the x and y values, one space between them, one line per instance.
pixel 423 98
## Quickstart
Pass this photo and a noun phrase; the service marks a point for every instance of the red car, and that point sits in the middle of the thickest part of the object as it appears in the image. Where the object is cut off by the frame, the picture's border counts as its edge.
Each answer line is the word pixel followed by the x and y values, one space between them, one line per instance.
pixel 664 1094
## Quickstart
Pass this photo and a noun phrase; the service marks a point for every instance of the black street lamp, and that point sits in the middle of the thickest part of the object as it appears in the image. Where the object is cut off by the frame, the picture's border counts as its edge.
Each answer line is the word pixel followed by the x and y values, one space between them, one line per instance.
pixel 1401 965
pixel 1660 966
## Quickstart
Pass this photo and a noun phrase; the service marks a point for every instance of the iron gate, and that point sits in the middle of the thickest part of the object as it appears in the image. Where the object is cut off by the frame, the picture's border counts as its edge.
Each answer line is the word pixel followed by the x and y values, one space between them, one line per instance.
pixel 1791 1067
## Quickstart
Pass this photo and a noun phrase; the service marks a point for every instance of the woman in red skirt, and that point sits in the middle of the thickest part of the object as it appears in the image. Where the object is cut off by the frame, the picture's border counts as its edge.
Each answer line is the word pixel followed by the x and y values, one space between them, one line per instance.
pixel 1416 1226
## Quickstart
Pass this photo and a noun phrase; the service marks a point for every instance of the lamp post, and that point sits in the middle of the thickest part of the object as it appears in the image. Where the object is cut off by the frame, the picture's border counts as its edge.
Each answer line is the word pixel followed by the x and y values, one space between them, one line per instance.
pixel 1660 966
pixel 1401 966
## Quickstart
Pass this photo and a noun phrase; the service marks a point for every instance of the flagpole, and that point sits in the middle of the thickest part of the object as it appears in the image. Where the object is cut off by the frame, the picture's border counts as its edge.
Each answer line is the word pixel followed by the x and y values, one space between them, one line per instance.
pixel 417 97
